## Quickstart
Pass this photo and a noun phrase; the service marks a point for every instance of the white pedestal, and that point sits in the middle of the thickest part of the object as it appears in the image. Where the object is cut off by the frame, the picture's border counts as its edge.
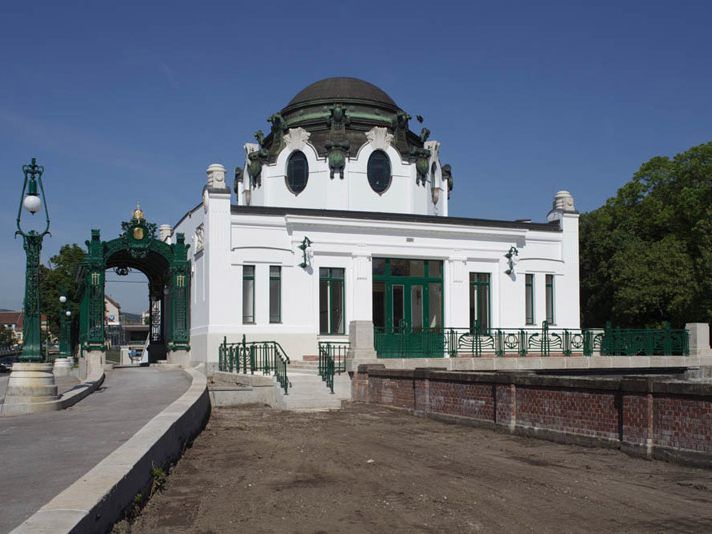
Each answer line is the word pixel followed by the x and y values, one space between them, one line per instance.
pixel 63 366
pixel 31 383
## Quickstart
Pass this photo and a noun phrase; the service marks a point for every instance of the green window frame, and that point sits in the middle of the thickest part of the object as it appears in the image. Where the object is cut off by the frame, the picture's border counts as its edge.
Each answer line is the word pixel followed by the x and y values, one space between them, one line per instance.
pixel 248 294
pixel 550 315
pixel 275 294
pixel 480 301
pixel 529 298
pixel 332 301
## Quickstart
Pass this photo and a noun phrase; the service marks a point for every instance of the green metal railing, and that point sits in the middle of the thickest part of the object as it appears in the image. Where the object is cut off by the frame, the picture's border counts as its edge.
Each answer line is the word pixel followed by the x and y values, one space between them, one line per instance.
pixel 522 342
pixel 9 350
pixel 332 360
pixel 423 343
pixel 267 357
pixel 649 342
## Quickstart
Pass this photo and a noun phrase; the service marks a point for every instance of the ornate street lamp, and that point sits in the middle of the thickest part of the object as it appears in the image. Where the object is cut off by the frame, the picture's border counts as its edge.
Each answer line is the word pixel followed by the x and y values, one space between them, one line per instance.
pixel 31 383
pixel 65 350
pixel 32 198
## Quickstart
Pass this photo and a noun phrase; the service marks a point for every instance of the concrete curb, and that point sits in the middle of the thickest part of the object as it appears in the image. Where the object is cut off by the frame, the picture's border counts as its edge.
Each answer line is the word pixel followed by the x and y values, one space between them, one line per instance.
pixel 102 496
pixel 67 399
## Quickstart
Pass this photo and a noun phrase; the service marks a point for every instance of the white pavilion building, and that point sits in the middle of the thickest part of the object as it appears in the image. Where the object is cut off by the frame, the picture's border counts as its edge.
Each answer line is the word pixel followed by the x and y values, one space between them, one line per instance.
pixel 340 220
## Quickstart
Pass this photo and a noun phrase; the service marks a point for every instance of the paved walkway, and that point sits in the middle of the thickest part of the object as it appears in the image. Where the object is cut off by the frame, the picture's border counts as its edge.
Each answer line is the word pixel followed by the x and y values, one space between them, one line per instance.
pixel 42 454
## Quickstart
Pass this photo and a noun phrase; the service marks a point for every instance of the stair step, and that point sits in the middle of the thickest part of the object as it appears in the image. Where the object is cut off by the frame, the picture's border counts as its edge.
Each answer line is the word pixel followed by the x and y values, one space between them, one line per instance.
pixel 308 392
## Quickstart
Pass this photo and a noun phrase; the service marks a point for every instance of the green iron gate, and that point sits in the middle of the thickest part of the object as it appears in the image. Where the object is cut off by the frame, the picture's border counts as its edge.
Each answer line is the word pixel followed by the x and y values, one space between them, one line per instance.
pixel 167 268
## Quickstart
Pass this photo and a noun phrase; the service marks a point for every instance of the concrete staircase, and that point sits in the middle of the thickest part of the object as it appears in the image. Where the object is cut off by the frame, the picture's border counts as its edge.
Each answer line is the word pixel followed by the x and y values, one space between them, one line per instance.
pixel 309 392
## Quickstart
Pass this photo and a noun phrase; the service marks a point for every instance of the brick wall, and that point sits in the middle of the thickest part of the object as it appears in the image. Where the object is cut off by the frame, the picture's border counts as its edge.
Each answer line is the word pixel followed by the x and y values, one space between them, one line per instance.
pixel 646 416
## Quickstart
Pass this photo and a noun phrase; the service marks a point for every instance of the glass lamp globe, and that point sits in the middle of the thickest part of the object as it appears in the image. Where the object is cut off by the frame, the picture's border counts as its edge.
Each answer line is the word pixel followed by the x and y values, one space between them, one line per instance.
pixel 62 299
pixel 32 203
pixel 69 314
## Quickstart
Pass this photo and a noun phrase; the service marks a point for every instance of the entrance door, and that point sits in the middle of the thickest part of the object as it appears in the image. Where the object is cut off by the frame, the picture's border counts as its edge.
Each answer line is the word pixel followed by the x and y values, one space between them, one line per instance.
pixel 407 307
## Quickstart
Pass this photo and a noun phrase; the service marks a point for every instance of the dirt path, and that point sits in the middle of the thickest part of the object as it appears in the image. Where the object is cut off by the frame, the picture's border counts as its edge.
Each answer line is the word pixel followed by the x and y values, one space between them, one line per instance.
pixel 370 469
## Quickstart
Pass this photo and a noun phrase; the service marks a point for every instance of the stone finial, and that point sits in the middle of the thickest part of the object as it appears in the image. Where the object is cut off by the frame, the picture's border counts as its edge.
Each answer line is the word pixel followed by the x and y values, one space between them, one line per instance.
pixel 216 176
pixel 164 233
pixel 563 203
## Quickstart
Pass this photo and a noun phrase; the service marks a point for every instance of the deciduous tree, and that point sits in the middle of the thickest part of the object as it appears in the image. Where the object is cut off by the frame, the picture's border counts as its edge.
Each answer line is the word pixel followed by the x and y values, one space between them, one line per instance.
pixel 646 255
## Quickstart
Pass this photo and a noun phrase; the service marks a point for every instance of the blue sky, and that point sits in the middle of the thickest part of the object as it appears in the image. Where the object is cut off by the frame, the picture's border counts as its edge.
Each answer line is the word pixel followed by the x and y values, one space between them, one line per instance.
pixel 126 101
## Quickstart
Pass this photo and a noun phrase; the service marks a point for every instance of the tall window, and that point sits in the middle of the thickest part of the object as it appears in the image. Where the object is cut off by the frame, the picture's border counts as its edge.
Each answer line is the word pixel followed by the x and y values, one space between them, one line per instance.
pixel 550 299
pixel 297 172
pixel 275 294
pixel 480 301
pixel 248 294
pixel 529 298
pixel 331 300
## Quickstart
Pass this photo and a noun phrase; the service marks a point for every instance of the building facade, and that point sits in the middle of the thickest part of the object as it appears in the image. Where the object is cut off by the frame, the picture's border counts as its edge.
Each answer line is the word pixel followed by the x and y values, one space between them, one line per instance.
pixel 341 215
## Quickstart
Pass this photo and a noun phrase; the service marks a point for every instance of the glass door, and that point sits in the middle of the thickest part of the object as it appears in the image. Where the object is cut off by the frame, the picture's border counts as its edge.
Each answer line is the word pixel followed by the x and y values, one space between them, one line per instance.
pixel 416 307
pixel 398 307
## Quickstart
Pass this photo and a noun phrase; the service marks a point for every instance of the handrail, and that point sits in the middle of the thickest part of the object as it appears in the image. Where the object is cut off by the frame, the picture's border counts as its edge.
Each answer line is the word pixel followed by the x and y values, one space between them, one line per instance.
pixel 332 360
pixel 268 357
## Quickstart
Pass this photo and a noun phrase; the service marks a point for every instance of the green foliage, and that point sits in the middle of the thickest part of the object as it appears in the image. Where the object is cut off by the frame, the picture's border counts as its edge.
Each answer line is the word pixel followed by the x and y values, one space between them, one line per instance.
pixel 158 479
pixel 7 336
pixel 57 280
pixel 646 255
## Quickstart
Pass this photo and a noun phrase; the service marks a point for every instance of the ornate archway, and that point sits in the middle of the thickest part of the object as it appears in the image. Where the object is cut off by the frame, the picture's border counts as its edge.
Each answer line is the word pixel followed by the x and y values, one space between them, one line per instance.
pixel 167 268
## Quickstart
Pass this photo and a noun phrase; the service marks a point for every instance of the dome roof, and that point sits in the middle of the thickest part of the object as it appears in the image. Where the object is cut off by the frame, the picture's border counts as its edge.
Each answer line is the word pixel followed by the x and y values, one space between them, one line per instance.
pixel 342 89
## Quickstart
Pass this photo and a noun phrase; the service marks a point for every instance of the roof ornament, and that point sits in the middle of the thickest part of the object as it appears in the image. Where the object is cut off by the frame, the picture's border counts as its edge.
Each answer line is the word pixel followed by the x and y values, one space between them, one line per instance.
pixel 138 212
pixel 279 127
pixel 337 145
pixel 422 158
pixel 400 128
pixel 447 177
pixel 256 159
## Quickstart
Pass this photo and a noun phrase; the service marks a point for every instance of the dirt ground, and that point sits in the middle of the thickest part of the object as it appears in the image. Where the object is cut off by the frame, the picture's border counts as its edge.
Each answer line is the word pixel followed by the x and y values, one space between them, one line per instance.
pixel 372 469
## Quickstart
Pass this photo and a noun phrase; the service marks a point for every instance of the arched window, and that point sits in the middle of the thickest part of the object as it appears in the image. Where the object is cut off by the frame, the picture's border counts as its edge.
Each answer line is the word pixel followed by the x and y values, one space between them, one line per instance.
pixel 297 172
pixel 379 171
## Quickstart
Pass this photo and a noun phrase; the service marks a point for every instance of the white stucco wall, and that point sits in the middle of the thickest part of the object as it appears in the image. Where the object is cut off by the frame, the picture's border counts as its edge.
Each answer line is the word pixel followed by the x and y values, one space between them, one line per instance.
pixel 353 192
pixel 232 240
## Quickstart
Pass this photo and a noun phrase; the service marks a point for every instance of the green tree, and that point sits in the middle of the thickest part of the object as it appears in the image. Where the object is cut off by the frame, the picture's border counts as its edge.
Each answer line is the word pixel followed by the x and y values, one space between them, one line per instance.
pixel 646 255
pixel 7 336
pixel 60 279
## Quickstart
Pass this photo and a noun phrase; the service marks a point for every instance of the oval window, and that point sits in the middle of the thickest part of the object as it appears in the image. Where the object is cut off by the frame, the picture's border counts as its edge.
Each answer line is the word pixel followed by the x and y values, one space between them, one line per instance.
pixel 379 171
pixel 297 172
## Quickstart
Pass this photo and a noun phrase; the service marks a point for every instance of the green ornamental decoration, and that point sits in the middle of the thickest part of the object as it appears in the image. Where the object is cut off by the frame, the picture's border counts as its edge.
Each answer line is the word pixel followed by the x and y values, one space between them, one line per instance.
pixel 422 164
pixel 166 266
pixel 256 159
pixel 337 157
pixel 338 145
pixel 279 127
pixel 137 234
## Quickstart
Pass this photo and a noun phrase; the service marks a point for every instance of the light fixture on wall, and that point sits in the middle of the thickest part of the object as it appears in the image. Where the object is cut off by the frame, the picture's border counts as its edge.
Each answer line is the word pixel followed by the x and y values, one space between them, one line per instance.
pixel 510 259
pixel 306 260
